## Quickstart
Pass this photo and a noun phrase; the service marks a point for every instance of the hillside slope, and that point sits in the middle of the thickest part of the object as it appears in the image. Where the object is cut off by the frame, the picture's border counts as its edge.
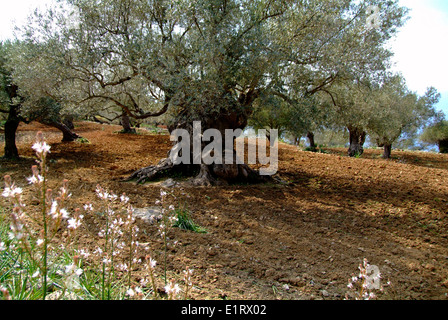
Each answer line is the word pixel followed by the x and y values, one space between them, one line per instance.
pixel 299 240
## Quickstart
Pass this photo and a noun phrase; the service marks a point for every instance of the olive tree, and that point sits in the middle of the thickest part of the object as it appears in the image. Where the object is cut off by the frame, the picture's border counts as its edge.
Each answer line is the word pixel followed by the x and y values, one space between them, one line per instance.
pixel 270 112
pixel 437 134
pixel 10 103
pixel 394 110
pixel 207 60
pixel 351 111
pixel 42 89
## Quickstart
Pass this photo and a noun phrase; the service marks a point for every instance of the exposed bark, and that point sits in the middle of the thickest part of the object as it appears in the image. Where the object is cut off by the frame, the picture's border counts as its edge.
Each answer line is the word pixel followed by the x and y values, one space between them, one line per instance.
pixel 443 146
pixel 268 136
pixel 68 121
pixel 163 168
pixel 205 175
pixel 387 150
pixel 357 140
pixel 68 135
pixel 126 123
pixel 152 172
pixel 310 136
pixel 296 140
pixel 11 125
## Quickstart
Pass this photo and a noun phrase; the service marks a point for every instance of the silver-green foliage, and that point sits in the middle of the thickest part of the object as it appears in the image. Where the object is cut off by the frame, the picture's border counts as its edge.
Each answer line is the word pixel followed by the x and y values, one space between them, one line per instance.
pixel 198 57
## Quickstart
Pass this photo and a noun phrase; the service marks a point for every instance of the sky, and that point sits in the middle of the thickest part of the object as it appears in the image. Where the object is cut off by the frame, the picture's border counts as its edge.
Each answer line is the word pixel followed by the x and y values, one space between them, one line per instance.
pixel 420 48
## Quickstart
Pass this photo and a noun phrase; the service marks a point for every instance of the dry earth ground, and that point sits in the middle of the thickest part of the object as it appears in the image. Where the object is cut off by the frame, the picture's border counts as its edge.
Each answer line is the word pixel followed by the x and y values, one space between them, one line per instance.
pixel 300 240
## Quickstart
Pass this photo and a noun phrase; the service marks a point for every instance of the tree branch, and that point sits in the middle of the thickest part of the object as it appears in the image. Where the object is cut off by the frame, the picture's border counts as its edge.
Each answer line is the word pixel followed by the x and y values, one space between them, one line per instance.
pixel 128 110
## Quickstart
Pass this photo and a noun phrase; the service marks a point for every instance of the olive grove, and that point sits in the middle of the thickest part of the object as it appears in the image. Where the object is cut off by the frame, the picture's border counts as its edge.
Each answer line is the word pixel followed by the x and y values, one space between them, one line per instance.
pixel 214 61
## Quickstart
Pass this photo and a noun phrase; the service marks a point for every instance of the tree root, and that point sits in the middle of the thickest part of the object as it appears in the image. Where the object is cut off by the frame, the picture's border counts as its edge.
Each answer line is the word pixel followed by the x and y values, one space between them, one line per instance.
pixel 202 175
pixel 152 172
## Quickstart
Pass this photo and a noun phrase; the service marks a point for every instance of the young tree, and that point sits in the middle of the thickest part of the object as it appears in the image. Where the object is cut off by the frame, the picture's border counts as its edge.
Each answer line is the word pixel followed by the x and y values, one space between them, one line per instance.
pixel 207 60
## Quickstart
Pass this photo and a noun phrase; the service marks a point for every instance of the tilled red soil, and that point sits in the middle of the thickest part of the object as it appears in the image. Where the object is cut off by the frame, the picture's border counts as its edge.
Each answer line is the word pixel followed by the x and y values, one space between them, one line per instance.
pixel 299 240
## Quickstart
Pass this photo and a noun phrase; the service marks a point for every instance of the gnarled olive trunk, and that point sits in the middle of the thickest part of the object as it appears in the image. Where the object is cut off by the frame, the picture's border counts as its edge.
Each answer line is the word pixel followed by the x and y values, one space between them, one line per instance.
pixel 126 123
pixel 296 140
pixel 68 121
pixel 205 174
pixel 11 126
pixel 357 140
pixel 310 136
pixel 443 146
pixel 387 147
pixel 67 134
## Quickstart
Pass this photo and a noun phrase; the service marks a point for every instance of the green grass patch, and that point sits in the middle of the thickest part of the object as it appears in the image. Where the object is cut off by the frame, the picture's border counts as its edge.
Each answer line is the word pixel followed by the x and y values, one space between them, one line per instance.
pixel 185 222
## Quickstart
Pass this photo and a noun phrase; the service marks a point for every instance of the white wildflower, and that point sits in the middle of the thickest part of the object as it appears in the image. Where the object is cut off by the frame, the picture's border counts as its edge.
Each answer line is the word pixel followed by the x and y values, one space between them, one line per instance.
pixel 41 147
pixel 152 263
pixel 73 269
pixel 11 192
pixel 130 292
pixel 112 196
pixel 72 276
pixel 73 223
pixel 54 210
pixel 123 267
pixel 143 282
pixel 124 198
pixel 5 292
pixel 101 193
pixel 84 253
pixel 173 219
pixel 34 179
pixel 172 288
pixel 65 214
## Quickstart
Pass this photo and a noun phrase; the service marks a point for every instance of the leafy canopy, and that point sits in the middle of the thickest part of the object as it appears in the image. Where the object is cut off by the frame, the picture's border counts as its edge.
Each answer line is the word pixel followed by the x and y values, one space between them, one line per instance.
pixel 200 58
